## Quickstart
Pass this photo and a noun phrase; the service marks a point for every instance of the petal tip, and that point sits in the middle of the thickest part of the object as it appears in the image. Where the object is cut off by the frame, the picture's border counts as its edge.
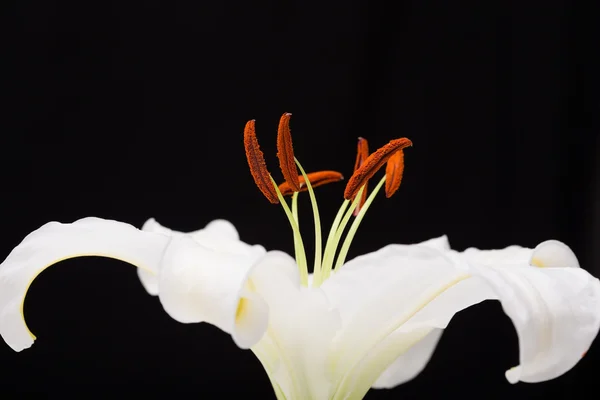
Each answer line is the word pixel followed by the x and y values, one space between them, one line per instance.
pixel 513 375
pixel 553 254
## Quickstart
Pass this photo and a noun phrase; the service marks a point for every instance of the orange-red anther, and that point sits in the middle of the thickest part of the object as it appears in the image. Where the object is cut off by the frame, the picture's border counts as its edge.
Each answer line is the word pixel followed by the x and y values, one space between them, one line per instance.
pixel 393 173
pixel 285 153
pixel 316 179
pixel 372 164
pixel 362 153
pixel 256 162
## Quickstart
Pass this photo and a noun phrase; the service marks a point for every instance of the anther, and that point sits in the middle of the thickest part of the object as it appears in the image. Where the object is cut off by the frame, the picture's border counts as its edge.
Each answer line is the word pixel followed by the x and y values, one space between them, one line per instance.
pixel 393 173
pixel 285 153
pixel 372 164
pixel 315 179
pixel 362 153
pixel 256 162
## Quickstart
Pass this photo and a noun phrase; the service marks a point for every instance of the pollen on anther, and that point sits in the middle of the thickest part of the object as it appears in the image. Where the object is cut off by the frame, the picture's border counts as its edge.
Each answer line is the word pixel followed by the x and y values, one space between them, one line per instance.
pixel 285 153
pixel 393 173
pixel 362 153
pixel 256 162
pixel 316 179
pixel 372 164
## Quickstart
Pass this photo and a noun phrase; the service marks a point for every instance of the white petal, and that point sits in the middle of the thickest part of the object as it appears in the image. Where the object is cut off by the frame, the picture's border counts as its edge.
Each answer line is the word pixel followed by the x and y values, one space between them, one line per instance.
pixel 301 328
pixel 222 228
pixel 378 293
pixel 414 347
pixel 219 228
pixel 200 284
pixel 218 233
pixel 55 242
pixel 553 254
pixel 440 243
pixel 555 310
pixel 411 363
pixel 150 280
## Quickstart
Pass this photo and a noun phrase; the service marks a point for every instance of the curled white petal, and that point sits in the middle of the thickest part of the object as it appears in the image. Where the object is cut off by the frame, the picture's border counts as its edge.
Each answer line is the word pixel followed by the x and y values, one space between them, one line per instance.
pixel 553 254
pixel 217 234
pixel 200 284
pixel 55 242
pixel 555 309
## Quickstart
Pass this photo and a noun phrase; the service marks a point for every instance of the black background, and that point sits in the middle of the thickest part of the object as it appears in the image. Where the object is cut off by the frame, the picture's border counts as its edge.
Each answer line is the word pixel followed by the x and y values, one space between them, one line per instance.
pixel 131 110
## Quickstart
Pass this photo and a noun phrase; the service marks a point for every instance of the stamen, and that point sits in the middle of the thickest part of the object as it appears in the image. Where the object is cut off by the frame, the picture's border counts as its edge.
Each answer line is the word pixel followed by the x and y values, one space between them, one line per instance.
pixel 295 209
pixel 298 243
pixel 339 230
pixel 393 172
pixel 285 153
pixel 317 222
pixel 362 153
pixel 256 162
pixel 354 227
pixel 372 164
pixel 315 179
pixel 329 252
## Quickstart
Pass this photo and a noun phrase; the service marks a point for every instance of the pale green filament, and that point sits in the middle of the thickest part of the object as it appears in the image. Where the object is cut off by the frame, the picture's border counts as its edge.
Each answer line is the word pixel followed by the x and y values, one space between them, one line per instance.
pixel 298 244
pixel 323 263
pixel 339 230
pixel 295 209
pixel 317 218
pixel 328 252
pixel 352 231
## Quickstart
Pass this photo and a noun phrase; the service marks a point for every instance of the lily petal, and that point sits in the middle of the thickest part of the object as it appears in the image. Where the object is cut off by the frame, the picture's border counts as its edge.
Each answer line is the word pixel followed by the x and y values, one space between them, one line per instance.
pixel 55 242
pixel 377 294
pixel 200 284
pixel 555 310
pixel 412 362
pixel 216 234
pixel 297 315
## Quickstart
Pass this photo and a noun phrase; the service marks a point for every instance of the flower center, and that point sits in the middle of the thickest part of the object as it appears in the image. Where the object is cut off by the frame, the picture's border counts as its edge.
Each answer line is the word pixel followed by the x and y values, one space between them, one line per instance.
pixel 356 203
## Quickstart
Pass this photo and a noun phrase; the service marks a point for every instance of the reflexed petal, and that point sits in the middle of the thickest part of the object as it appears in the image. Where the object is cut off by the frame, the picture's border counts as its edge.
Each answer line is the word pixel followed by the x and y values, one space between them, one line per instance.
pixel 217 234
pixel 553 254
pixel 149 281
pixel 55 242
pixel 200 284
pixel 555 310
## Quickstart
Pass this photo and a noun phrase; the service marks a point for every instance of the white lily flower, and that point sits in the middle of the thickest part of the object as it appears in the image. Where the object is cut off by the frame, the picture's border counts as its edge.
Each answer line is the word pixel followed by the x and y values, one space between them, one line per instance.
pixel 371 322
